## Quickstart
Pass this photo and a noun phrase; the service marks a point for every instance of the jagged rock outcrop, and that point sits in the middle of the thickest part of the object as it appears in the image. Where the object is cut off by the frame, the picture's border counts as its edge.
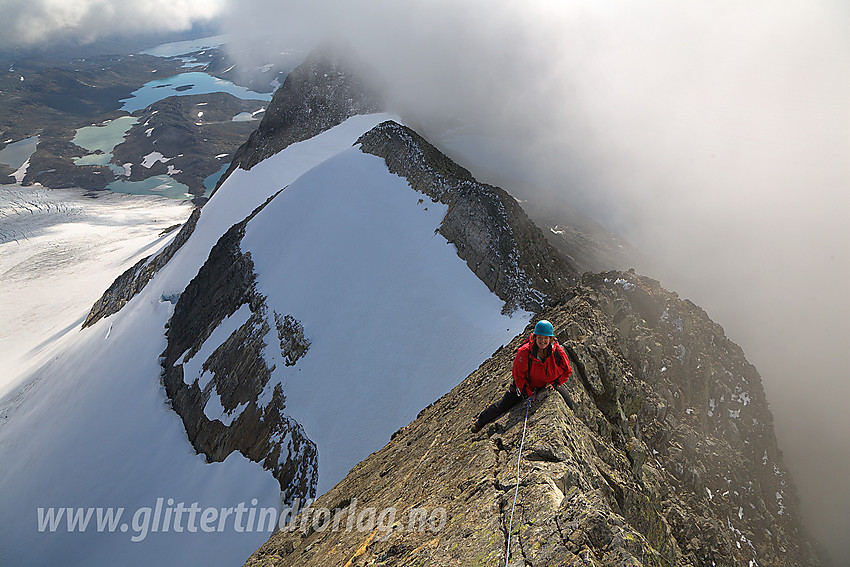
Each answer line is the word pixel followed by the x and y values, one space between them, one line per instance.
pixel 324 91
pixel 585 242
pixel 228 402
pixel 487 226
pixel 134 279
pixel 669 458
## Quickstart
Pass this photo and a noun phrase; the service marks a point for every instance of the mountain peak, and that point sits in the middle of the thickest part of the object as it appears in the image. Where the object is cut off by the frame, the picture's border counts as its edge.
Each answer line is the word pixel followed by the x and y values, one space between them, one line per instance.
pixel 329 87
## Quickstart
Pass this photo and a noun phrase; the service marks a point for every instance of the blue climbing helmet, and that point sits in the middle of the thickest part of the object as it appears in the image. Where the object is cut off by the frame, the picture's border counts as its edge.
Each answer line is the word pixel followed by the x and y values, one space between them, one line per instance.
pixel 544 328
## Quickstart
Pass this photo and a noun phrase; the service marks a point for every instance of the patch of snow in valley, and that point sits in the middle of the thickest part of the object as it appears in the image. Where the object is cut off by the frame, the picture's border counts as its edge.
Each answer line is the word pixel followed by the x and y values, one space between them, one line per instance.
pixel 152 158
pixel 21 172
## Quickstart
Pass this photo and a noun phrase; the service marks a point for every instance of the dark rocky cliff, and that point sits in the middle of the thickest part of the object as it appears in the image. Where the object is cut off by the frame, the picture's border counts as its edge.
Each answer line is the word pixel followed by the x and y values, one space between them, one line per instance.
pixel 239 370
pixel 669 458
pixel 324 91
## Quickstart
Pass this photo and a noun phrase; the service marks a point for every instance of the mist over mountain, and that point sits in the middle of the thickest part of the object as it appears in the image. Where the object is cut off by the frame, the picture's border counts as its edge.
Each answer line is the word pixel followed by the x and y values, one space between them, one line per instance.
pixel 713 138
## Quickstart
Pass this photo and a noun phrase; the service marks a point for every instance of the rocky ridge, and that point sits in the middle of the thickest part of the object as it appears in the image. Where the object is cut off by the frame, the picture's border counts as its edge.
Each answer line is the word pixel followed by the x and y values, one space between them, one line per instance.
pixel 322 92
pixel 132 281
pixel 487 226
pixel 669 458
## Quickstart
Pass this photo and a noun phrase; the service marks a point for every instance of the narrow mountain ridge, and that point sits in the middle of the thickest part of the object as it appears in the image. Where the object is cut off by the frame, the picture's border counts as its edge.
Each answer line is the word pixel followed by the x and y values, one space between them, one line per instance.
pixel 322 92
pixel 491 232
pixel 233 357
pixel 669 458
pixel 131 282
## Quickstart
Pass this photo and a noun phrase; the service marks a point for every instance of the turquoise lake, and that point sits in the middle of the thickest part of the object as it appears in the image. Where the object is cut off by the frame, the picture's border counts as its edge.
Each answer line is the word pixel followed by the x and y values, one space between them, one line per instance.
pixel 103 137
pixel 17 153
pixel 161 185
pixel 185 84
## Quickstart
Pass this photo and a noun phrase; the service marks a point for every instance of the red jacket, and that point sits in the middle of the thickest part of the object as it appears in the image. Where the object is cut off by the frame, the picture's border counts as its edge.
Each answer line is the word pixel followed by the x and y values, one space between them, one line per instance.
pixel 555 370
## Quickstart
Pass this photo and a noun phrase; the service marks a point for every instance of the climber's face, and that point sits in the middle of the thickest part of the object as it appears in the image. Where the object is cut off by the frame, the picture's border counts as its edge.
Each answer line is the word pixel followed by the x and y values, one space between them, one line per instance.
pixel 543 342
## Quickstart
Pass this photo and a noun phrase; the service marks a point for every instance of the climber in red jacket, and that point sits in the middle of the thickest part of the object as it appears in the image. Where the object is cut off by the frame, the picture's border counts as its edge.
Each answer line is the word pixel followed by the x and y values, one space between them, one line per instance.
pixel 539 363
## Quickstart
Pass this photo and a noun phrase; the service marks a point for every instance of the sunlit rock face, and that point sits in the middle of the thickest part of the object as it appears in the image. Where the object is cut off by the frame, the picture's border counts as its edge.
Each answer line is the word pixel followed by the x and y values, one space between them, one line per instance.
pixel 669 458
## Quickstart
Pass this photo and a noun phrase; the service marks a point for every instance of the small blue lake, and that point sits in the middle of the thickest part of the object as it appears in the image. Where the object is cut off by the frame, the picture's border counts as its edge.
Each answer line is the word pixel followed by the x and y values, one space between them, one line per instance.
pixel 161 185
pixel 102 138
pixel 175 48
pixel 211 180
pixel 17 153
pixel 184 84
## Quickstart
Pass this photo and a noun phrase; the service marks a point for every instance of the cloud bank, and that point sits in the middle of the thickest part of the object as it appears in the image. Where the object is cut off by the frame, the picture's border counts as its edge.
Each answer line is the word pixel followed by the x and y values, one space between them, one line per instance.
pixel 34 23
pixel 714 136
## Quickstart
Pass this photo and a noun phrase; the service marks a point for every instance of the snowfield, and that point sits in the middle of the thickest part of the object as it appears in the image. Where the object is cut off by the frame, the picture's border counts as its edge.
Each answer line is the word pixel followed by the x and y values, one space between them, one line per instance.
pixel 58 251
pixel 394 317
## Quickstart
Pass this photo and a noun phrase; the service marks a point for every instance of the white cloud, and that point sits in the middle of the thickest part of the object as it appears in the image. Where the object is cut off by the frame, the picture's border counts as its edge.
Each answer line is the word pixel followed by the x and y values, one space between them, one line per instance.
pixel 713 135
pixel 40 22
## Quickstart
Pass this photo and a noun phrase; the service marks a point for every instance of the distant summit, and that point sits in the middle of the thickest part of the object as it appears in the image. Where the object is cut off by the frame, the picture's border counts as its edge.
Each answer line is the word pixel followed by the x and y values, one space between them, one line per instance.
pixel 328 88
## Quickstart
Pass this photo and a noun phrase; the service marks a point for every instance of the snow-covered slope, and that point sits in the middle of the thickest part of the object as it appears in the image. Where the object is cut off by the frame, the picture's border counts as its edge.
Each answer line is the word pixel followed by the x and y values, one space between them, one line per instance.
pixel 394 318
pixel 58 250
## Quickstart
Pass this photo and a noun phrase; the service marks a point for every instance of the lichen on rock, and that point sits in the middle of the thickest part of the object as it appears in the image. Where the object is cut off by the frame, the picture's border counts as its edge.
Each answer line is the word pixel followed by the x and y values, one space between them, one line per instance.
pixel 630 478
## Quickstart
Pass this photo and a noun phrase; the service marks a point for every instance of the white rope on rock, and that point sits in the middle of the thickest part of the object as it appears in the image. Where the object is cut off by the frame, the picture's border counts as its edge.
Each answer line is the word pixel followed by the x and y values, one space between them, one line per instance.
pixel 516 490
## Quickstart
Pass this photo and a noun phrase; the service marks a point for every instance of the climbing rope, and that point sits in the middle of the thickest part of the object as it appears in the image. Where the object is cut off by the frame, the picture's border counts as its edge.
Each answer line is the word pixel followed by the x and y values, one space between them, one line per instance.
pixel 516 490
